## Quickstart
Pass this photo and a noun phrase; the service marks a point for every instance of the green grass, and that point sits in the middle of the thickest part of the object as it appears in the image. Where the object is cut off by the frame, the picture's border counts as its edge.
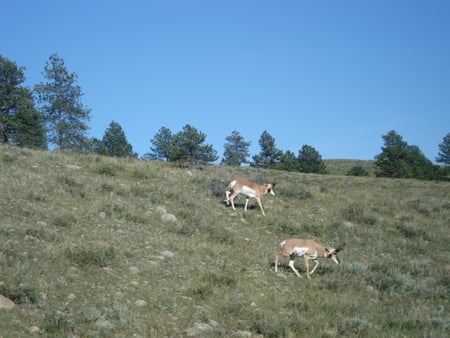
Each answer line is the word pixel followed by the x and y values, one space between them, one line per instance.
pixel 86 252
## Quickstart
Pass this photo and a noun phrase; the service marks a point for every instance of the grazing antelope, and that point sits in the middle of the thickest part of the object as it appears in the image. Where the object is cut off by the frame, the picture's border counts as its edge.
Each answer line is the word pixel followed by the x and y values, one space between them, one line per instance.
pixel 250 190
pixel 309 250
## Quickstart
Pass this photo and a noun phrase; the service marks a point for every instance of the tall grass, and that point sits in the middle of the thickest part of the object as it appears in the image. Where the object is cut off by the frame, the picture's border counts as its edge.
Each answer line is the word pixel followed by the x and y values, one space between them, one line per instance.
pixel 85 250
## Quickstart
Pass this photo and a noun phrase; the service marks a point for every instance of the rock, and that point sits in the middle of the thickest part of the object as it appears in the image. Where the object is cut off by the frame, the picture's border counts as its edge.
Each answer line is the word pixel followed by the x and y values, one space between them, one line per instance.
pixel 6 303
pixel 134 270
pixel 167 254
pixel 34 330
pixel 169 218
pixel 198 329
pixel 161 210
pixel 140 303
pixel 348 224
pixel 73 167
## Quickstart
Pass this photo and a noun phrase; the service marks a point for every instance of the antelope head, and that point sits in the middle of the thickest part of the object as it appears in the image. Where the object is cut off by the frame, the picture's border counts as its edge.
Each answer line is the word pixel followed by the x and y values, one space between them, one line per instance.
pixel 332 253
pixel 269 188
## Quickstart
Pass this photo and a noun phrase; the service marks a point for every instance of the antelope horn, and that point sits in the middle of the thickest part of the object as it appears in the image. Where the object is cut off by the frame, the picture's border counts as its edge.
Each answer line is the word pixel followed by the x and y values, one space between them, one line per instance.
pixel 339 248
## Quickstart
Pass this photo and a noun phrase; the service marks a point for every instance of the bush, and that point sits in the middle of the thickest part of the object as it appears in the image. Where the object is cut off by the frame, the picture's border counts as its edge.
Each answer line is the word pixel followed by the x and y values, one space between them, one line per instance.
pixel 91 256
pixel 357 171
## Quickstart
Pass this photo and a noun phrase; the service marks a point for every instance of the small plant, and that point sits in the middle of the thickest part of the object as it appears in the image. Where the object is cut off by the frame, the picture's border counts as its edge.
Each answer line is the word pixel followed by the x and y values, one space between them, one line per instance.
pixel 67 180
pixel 185 230
pixel 19 293
pixel 354 326
pixel 411 231
pixel 296 193
pixel 201 290
pixel 91 256
pixel 107 169
pixel 6 230
pixel 217 188
pixel 219 279
pixel 353 213
pixel 8 157
pixel 64 220
pixel 58 321
pixel 36 232
pixel 223 236
pixel 357 171
pixel 267 327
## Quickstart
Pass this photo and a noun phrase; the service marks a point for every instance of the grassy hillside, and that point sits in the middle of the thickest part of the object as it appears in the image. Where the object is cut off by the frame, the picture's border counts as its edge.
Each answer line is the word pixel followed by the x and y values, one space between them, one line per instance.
pixel 102 247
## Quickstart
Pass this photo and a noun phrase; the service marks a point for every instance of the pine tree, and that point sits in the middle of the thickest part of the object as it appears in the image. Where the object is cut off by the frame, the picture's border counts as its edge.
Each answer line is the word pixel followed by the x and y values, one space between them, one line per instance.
pixel 444 151
pixel 28 124
pixel 189 147
pixel 60 100
pixel 310 161
pixel 162 145
pixel 236 150
pixel 398 159
pixel 185 147
pixel 20 123
pixel 114 143
pixel 288 162
pixel 269 155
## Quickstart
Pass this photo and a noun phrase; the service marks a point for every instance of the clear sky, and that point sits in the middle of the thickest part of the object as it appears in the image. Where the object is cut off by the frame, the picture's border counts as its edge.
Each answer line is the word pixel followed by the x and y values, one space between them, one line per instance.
pixel 335 75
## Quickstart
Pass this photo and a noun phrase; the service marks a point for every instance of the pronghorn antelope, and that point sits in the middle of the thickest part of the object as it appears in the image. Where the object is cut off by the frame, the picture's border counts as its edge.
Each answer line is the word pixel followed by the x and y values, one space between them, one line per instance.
pixel 309 250
pixel 250 190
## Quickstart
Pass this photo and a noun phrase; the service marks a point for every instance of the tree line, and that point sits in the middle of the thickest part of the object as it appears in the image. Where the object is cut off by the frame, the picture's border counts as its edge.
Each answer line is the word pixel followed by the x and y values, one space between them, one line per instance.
pixel 52 113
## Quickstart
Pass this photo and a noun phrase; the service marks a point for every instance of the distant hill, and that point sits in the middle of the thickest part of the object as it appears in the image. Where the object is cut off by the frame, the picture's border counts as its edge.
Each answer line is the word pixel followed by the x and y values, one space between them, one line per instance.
pixel 341 167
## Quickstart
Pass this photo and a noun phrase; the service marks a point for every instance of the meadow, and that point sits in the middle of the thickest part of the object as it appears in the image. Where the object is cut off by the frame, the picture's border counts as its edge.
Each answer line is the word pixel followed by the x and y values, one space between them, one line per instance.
pixel 93 246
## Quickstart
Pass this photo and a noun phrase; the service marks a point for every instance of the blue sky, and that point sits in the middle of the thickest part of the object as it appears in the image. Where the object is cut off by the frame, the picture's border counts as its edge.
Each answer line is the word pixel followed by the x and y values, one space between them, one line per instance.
pixel 335 75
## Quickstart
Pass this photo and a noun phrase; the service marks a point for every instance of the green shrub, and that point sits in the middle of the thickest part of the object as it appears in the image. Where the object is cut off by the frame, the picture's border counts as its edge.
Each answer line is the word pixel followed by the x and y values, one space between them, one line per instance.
pixel 107 169
pixel 354 326
pixel 19 292
pixel 267 327
pixel 357 171
pixel 64 220
pixel 93 255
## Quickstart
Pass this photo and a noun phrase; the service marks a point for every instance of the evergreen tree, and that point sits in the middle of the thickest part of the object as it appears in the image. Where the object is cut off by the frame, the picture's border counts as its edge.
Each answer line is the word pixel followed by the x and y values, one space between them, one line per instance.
pixel 189 147
pixel 444 151
pixel 184 147
pixel 60 100
pixel 391 162
pixel 162 145
pixel 236 150
pixel 400 160
pixel 97 146
pixel 288 162
pixel 114 143
pixel 20 123
pixel 28 124
pixel 310 161
pixel 269 156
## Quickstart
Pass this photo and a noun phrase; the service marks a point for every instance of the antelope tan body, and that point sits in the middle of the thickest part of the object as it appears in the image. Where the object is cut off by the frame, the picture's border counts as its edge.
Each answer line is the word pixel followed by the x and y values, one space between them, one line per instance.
pixel 309 250
pixel 249 190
